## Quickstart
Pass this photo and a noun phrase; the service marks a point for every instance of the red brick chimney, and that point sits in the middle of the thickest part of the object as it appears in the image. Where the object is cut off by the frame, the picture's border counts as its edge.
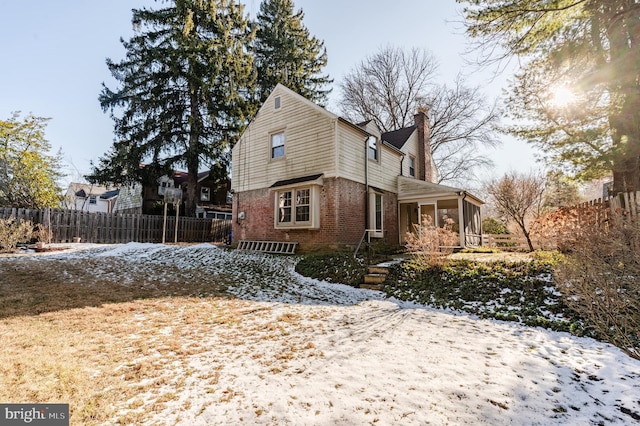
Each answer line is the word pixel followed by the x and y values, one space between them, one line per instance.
pixel 425 161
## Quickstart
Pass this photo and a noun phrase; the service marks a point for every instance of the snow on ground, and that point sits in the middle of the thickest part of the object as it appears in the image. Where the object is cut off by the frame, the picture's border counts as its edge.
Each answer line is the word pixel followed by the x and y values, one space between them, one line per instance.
pixel 312 353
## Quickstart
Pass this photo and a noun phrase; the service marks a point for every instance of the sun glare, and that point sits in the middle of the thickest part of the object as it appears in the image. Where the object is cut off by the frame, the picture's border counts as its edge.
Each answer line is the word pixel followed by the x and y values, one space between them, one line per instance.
pixel 562 97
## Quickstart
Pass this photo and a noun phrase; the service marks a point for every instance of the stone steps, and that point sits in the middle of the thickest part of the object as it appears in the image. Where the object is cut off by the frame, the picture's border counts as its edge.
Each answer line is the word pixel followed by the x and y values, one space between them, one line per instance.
pixel 374 279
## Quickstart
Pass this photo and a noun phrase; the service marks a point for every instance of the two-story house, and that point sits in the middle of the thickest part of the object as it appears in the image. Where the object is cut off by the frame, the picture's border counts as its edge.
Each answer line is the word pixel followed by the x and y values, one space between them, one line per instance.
pixel 305 175
pixel 90 198
pixel 212 197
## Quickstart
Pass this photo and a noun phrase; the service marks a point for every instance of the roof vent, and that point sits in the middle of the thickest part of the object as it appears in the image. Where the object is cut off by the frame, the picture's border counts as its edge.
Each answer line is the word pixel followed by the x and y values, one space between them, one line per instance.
pixel 277 103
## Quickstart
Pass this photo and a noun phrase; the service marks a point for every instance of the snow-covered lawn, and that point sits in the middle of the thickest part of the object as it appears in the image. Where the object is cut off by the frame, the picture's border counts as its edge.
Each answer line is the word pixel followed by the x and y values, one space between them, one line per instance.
pixel 303 352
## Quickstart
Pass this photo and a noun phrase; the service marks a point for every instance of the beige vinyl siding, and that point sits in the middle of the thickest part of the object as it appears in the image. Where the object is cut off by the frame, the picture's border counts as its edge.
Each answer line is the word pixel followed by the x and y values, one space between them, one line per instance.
pixel 309 143
pixel 410 148
pixel 352 153
pixel 384 174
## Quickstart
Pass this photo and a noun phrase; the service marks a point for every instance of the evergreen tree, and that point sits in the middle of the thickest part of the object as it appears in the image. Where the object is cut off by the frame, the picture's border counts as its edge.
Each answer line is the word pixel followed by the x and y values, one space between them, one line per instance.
pixel 286 53
pixel 184 92
pixel 588 47
pixel 28 175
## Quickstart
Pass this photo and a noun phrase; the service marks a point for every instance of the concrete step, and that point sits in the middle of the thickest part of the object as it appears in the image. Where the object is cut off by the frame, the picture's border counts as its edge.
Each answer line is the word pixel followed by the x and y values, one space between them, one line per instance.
pixel 378 270
pixel 378 287
pixel 374 278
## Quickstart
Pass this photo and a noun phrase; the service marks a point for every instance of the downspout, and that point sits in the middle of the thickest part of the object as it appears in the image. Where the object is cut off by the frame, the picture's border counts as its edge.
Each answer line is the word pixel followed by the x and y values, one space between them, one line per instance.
pixel 366 183
pixel 398 203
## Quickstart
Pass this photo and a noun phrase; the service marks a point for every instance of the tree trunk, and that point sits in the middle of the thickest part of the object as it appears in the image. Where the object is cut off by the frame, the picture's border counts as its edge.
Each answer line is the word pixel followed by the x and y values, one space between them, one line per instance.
pixel 623 32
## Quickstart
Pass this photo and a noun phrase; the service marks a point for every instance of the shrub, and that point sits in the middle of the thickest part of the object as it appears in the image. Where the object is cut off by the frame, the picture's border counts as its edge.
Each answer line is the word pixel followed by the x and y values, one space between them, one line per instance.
pixel 14 231
pixel 429 245
pixel 601 279
pixel 337 267
pixel 506 290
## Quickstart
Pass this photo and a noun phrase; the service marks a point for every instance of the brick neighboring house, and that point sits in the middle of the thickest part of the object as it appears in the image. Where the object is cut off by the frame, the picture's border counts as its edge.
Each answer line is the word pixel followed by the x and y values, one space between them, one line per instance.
pixel 212 199
pixel 305 175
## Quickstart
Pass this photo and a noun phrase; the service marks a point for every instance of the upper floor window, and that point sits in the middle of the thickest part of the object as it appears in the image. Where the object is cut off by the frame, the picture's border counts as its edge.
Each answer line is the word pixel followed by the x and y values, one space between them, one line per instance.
pixel 412 166
pixel 93 199
pixel 372 148
pixel 205 194
pixel 277 145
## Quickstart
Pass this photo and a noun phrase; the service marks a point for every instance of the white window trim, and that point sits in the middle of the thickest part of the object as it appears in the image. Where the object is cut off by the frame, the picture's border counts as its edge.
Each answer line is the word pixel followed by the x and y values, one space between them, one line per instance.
pixel 284 145
pixel 314 207
pixel 377 149
pixel 375 232
pixel 204 190
pixel 412 159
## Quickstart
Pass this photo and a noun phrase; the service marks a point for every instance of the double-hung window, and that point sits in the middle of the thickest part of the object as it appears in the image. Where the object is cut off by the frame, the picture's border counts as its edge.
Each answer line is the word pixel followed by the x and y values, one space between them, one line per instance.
pixel 294 207
pixel 297 206
pixel 376 215
pixel 205 194
pixel 372 148
pixel 277 145
pixel 412 166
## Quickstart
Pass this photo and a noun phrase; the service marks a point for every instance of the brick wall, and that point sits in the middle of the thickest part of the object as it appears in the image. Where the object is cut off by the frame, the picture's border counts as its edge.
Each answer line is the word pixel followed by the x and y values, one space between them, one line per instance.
pixel 342 217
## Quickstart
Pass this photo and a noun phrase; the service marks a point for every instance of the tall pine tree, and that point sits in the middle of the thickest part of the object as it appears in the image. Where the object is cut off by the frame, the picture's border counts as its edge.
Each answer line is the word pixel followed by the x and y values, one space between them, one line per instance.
pixel 588 48
pixel 184 92
pixel 286 53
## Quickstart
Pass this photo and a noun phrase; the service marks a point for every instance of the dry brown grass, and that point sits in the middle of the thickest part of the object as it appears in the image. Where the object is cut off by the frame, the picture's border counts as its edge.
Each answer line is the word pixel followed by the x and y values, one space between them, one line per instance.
pixel 70 335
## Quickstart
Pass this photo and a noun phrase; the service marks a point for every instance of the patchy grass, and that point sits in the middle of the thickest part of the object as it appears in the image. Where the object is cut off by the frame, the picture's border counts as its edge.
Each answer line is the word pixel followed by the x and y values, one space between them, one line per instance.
pixel 147 334
pixel 73 336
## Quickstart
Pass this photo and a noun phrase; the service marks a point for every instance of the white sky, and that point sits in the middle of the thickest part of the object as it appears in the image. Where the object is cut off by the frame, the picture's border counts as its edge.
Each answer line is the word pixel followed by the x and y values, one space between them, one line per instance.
pixel 53 60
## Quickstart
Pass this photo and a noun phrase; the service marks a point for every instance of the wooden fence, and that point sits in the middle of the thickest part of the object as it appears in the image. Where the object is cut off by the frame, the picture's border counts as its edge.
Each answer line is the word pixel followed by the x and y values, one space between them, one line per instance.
pixel 110 228
pixel 590 213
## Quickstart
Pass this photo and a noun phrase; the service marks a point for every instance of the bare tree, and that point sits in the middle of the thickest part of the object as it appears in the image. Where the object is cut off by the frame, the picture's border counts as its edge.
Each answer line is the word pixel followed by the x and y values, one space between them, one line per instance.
pixel 390 86
pixel 519 198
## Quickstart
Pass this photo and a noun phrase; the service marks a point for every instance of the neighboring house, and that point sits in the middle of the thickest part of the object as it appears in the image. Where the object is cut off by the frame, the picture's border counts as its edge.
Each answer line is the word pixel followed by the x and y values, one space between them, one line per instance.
pixel 212 199
pixel 129 199
pixel 303 174
pixel 90 198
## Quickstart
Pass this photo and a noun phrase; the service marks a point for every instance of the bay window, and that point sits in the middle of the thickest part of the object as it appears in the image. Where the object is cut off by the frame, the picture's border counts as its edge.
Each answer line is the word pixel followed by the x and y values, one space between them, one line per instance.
pixel 297 207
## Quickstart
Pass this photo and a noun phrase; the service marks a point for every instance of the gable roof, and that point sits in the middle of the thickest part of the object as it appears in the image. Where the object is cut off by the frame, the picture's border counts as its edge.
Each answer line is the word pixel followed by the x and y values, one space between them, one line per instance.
pixel 282 88
pixel 399 137
pixel 110 194
pixel 83 190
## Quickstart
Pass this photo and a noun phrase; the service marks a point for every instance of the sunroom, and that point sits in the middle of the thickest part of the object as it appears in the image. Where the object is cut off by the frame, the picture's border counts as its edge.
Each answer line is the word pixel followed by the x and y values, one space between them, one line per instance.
pixel 418 200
